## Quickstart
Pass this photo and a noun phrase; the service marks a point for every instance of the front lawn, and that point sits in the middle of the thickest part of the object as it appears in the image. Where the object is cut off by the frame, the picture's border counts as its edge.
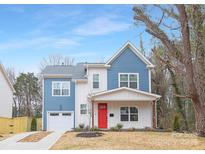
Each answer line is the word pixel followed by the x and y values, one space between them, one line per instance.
pixel 131 140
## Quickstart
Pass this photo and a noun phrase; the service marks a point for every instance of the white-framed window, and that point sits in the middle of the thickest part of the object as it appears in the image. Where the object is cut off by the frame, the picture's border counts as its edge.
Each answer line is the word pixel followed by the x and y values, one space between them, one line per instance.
pixel 124 114
pixel 61 88
pixel 83 108
pixel 128 114
pixel 96 81
pixel 130 80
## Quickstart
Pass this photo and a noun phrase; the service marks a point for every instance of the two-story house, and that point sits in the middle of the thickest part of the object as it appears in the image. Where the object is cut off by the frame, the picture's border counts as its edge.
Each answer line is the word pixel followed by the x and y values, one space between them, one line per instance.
pixel 100 94
pixel 6 94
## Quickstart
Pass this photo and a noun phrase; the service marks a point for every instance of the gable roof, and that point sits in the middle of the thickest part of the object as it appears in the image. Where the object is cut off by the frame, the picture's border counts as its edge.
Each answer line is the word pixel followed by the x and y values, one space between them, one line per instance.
pixel 133 49
pixel 70 71
pixel 2 69
pixel 123 94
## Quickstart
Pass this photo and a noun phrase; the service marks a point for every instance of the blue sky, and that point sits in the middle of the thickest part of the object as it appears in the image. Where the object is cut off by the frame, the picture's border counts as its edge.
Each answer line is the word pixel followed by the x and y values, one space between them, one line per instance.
pixel 93 33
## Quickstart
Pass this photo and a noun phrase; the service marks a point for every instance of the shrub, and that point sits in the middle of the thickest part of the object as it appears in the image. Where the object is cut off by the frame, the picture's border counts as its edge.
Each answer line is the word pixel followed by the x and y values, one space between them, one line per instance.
pixel 168 130
pixel 81 126
pixel 119 126
pixel 132 129
pixel 95 128
pixel 77 129
pixel 33 125
pixel 87 128
pixel 113 128
pixel 149 129
pixel 176 125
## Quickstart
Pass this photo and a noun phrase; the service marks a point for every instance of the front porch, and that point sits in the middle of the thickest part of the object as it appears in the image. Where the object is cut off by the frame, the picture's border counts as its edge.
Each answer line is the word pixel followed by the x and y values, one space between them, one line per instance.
pixel 132 108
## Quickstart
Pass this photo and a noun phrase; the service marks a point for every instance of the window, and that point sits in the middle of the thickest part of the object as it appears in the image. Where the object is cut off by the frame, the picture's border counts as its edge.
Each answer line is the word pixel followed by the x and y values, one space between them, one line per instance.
pixel 124 80
pixel 124 114
pixel 54 114
pixel 133 81
pixel 83 108
pixel 129 80
pixel 66 114
pixel 128 114
pixel 95 81
pixel 61 88
pixel 133 114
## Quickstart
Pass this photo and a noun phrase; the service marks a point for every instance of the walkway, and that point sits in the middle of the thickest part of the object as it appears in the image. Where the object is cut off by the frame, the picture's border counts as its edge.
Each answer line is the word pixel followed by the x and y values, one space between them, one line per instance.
pixel 44 144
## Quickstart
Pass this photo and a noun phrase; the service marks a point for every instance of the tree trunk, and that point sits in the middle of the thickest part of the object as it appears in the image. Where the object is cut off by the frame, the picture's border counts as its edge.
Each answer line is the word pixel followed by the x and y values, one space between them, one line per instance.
pixel 178 100
pixel 191 77
pixel 15 108
pixel 184 56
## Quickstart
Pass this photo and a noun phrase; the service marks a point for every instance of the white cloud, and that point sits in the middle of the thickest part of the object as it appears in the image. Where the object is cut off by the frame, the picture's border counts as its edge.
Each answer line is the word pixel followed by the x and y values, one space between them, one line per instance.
pixel 101 26
pixel 65 42
pixel 82 54
pixel 37 42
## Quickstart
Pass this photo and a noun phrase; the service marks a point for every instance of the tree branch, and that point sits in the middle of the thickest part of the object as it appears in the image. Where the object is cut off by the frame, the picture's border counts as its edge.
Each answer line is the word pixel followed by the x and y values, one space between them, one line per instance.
pixel 182 96
pixel 170 12
pixel 154 30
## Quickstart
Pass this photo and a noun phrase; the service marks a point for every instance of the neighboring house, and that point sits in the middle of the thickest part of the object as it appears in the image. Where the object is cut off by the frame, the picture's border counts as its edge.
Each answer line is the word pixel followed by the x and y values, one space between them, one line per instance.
pixel 100 94
pixel 6 94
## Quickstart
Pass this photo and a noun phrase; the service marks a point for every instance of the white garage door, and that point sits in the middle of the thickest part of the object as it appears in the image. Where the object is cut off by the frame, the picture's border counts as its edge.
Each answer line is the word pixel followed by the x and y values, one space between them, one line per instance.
pixel 60 121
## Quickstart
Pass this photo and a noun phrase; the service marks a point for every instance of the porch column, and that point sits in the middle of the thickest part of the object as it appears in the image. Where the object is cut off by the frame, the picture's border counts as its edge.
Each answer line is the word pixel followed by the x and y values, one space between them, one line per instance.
pixel 92 114
pixel 154 114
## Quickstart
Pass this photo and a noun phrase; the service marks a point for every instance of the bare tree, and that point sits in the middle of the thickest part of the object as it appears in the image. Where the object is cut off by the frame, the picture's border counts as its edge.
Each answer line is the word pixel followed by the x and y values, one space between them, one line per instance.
pixel 56 59
pixel 190 54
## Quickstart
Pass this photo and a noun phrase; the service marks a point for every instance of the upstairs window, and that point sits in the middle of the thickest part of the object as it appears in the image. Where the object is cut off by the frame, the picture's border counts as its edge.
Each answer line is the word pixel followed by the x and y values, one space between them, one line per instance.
pixel 95 81
pixel 61 88
pixel 83 108
pixel 130 80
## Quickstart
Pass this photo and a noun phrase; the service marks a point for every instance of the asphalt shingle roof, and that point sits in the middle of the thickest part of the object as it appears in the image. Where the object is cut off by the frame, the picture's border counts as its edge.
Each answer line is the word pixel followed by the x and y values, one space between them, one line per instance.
pixel 74 71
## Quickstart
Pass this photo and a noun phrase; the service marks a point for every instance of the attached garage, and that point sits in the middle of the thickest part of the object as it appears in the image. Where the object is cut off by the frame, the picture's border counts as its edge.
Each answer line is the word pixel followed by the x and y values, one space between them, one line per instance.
pixel 60 120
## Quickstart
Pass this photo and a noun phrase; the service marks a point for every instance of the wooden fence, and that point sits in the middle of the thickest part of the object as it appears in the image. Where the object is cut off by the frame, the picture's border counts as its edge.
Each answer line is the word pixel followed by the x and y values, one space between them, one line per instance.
pixel 17 125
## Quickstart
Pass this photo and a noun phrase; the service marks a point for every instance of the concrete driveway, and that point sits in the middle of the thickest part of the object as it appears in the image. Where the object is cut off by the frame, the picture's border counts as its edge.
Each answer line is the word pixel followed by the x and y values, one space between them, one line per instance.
pixel 44 144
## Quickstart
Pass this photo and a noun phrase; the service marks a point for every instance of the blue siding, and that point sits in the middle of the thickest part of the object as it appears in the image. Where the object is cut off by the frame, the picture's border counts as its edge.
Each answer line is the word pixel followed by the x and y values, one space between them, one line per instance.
pixel 128 62
pixel 61 103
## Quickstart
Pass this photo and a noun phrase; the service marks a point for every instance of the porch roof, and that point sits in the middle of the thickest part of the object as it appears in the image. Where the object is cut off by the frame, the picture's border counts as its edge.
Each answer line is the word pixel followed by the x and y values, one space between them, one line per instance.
pixel 123 94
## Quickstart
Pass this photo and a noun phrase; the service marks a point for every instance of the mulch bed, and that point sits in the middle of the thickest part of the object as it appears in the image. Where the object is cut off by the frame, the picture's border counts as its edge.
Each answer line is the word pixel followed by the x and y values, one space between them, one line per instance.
pixel 35 137
pixel 89 134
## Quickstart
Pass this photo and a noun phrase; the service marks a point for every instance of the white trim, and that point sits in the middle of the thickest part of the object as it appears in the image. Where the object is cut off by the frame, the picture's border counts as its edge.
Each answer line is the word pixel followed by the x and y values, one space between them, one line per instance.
pixel 61 88
pixel 2 69
pixel 129 114
pixel 97 65
pixel 124 88
pixel 150 82
pixel 135 50
pixel 128 79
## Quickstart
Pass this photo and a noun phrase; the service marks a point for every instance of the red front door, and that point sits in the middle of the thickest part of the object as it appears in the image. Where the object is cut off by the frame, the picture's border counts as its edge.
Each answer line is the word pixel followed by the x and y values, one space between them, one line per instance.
pixel 102 115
